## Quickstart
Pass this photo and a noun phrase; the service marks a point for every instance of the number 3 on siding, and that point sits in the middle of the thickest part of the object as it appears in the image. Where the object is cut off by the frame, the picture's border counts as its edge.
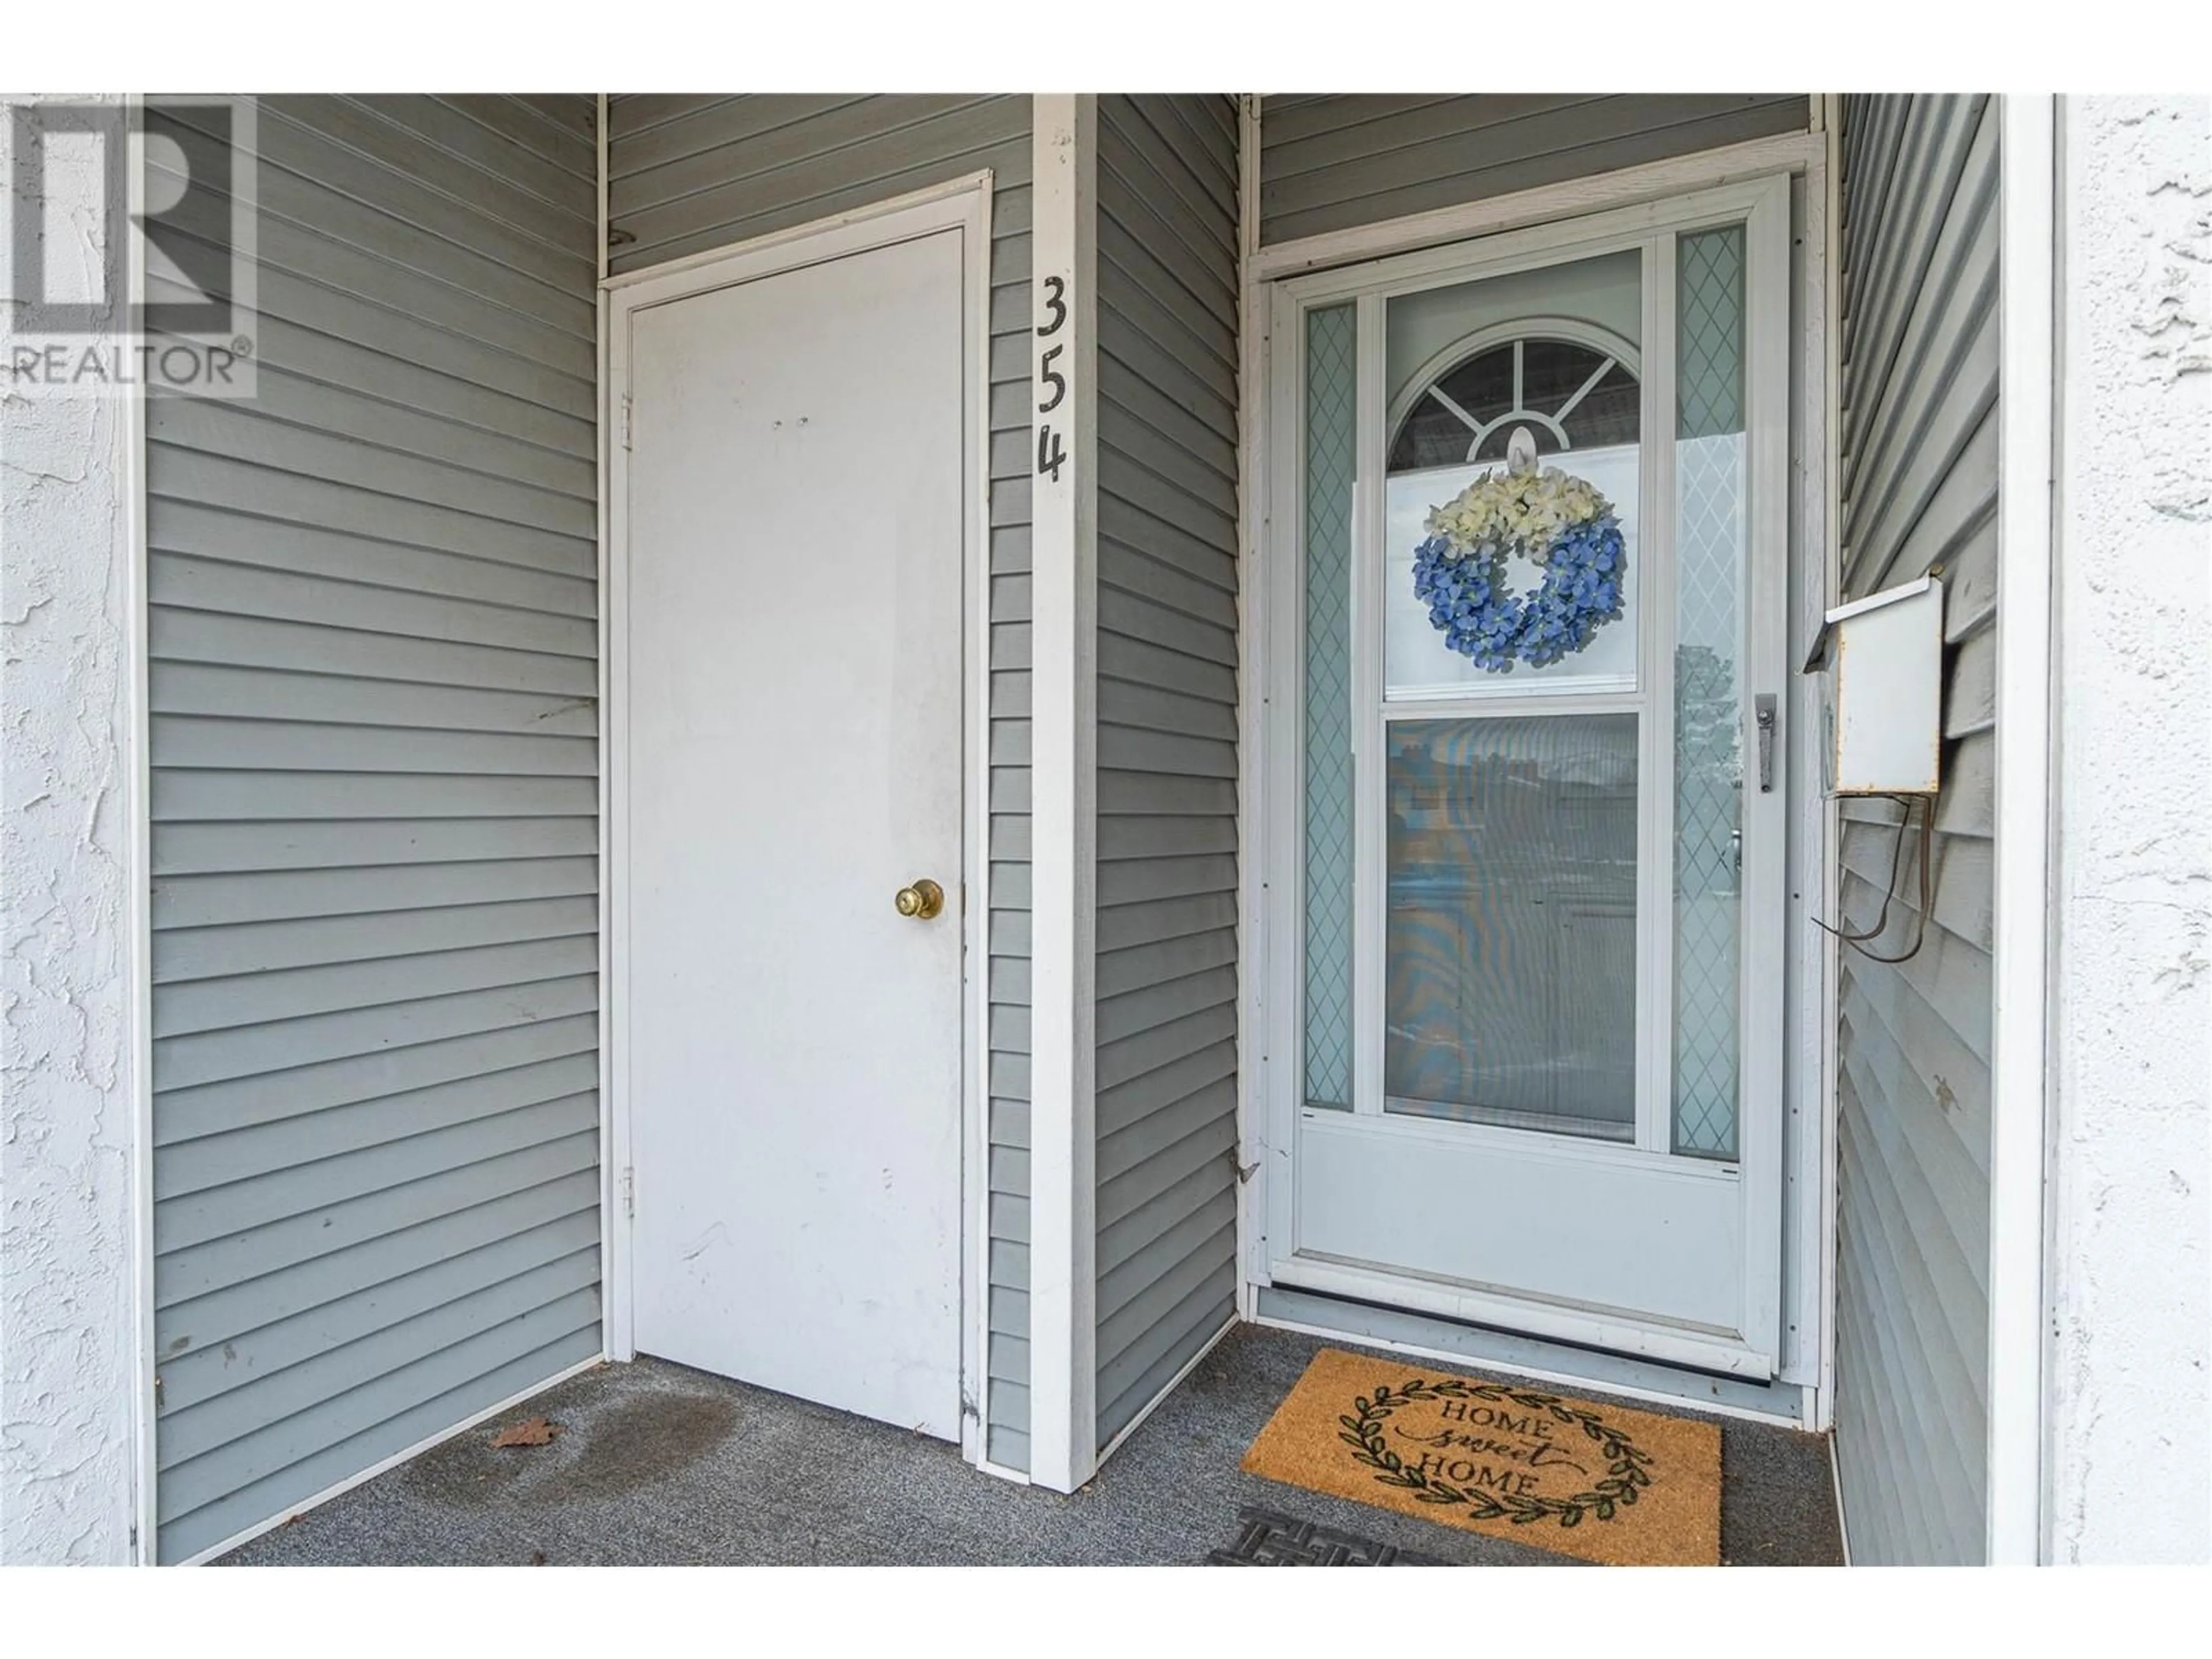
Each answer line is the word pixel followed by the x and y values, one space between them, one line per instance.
pixel 1057 303
pixel 1051 453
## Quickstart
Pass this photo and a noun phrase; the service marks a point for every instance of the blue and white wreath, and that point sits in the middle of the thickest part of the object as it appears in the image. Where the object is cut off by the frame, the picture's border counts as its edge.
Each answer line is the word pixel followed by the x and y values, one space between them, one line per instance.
pixel 1559 522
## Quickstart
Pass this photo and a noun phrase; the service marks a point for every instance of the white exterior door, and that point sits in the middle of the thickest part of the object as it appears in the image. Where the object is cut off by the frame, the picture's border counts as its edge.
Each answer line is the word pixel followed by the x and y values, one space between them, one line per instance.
pixel 1526 957
pixel 791 1041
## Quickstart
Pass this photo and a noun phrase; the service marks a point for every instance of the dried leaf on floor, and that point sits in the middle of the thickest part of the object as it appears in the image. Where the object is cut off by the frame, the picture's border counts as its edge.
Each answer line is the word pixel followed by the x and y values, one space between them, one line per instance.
pixel 530 1432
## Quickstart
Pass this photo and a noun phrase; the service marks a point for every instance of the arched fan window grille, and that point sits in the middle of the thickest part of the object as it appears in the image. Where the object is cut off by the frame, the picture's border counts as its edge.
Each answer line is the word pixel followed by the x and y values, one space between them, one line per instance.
pixel 1570 394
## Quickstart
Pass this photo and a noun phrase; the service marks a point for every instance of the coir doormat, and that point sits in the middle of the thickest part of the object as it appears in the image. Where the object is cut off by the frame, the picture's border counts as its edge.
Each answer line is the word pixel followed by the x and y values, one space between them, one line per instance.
pixel 1626 1488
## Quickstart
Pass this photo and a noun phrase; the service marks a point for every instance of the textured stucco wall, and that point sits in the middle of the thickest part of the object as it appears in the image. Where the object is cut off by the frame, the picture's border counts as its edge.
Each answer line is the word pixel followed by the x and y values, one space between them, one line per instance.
pixel 2130 1456
pixel 66 1350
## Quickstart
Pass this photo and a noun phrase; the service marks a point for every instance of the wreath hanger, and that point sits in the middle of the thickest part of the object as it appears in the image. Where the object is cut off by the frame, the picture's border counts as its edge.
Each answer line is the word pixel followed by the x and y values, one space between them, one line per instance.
pixel 1521 452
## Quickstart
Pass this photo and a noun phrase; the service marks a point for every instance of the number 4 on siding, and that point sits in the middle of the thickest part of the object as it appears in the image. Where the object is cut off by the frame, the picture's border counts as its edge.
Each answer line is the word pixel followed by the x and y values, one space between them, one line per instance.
pixel 1051 455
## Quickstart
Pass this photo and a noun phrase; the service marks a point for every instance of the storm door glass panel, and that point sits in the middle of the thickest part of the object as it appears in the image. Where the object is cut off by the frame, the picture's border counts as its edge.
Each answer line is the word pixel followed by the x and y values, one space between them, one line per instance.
pixel 1710 462
pixel 1510 933
pixel 1555 354
pixel 1330 414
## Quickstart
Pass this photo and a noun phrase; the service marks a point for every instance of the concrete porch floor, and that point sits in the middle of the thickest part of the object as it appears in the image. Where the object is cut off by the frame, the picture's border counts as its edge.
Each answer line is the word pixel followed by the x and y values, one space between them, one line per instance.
pixel 660 1465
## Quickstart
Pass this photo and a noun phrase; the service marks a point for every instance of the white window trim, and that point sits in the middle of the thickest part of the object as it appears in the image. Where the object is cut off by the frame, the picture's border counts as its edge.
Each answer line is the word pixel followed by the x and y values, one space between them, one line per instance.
pixel 964 203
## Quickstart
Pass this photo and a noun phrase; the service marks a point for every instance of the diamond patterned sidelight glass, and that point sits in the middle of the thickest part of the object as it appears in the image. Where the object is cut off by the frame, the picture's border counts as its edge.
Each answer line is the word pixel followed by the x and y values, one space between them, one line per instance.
pixel 1709 460
pixel 1331 383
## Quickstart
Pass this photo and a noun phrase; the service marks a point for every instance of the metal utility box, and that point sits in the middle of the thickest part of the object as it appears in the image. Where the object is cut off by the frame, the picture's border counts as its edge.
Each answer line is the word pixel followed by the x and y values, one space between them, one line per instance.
pixel 1886 710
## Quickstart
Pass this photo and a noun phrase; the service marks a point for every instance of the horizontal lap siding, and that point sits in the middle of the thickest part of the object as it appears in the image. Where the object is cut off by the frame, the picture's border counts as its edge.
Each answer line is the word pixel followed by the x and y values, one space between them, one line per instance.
pixel 373 622
pixel 1332 162
pixel 689 174
pixel 1167 740
pixel 1920 489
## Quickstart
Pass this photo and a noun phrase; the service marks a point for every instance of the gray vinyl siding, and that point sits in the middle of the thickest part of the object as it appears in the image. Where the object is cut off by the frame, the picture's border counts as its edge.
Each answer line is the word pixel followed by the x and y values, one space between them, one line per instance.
pixel 1920 489
pixel 1167 740
pixel 373 622
pixel 688 174
pixel 1333 161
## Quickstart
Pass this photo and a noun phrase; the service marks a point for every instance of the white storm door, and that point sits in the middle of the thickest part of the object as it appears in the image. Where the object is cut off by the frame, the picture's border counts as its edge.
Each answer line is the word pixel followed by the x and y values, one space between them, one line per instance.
pixel 1538 1050
pixel 794 759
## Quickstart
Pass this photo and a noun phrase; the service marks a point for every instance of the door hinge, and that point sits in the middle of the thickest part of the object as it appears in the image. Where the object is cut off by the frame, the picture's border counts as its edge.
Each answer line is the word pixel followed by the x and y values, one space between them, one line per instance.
pixel 629 1191
pixel 629 420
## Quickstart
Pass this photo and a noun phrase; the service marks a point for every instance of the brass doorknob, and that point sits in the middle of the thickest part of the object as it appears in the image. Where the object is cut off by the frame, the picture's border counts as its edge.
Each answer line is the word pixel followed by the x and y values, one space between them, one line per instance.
pixel 921 900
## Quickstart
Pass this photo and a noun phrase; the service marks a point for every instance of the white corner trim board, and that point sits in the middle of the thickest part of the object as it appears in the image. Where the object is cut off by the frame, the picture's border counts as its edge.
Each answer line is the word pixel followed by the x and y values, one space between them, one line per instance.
pixel 1063 1289
pixel 1251 681
pixel 1821 819
pixel 137 798
pixel 2018 1086
pixel 615 1344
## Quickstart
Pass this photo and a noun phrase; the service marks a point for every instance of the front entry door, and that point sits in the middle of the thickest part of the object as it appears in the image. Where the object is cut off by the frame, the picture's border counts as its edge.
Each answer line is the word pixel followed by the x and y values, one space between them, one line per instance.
pixel 1533 621
pixel 794 760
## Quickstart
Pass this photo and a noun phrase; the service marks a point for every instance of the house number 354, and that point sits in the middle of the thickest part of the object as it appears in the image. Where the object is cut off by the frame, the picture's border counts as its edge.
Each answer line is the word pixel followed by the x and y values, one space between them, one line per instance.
pixel 1052 385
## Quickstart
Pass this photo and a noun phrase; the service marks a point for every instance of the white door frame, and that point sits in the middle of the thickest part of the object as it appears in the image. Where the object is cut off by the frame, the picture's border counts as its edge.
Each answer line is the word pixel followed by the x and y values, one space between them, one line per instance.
pixel 1531 226
pixel 961 203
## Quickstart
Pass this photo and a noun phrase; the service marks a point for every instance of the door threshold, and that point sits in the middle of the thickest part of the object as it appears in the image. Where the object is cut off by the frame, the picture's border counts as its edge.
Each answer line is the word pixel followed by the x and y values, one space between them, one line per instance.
pixel 1431 1337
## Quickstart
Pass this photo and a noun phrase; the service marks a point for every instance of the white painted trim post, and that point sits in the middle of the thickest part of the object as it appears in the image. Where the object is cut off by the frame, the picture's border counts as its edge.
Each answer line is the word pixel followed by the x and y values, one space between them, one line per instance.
pixel 2019 1085
pixel 1251 689
pixel 1063 1152
pixel 137 953
pixel 600 145
pixel 1827 950
pixel 612 1344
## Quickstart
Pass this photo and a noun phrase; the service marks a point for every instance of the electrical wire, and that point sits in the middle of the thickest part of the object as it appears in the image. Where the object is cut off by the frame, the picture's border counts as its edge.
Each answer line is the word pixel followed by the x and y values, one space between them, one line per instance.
pixel 1856 938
